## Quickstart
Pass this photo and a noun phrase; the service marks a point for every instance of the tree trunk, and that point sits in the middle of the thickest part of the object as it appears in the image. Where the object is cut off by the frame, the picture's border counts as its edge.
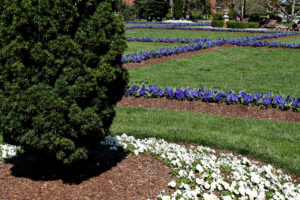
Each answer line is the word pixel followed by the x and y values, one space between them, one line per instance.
pixel 171 5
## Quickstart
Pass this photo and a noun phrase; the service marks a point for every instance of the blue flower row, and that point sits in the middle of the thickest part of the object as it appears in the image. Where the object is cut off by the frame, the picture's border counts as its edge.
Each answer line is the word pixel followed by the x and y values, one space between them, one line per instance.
pixel 175 24
pixel 265 44
pixel 266 100
pixel 170 40
pixel 138 57
pixel 186 40
pixel 198 28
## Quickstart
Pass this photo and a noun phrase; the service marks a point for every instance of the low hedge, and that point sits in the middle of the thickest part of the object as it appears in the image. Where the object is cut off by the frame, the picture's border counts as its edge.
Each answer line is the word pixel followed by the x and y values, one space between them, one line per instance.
pixel 233 24
pixel 217 23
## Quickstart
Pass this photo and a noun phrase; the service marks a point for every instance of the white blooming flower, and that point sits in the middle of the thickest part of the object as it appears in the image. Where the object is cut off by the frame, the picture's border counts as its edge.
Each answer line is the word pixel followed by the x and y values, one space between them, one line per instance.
pixel 255 178
pixel 172 184
pixel 226 198
pixel 166 197
pixel 207 196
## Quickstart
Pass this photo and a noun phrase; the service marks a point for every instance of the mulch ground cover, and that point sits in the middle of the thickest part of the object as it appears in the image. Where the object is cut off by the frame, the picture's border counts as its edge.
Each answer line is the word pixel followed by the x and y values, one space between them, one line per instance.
pixel 109 175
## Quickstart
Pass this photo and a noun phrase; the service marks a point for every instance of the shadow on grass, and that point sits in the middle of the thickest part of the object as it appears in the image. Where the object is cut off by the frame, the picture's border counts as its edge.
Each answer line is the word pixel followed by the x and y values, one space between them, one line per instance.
pixel 37 167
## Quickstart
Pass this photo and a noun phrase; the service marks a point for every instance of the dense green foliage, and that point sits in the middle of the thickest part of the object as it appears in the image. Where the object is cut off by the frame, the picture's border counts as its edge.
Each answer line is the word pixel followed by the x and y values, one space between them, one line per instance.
pixel 178 9
pixel 60 74
pixel 153 9
pixel 255 17
pixel 234 24
pixel 217 23
pixel 218 16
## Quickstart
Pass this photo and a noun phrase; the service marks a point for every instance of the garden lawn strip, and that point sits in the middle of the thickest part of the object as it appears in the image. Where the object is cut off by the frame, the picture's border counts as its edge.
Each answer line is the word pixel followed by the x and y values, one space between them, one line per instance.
pixel 221 109
pixel 268 141
pixel 134 177
pixel 154 33
pixel 163 59
pixel 249 69
pixel 134 47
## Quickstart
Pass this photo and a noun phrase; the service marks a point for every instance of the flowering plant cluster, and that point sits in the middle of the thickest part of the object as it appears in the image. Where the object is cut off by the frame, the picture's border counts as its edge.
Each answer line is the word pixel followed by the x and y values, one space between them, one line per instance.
pixel 266 100
pixel 138 57
pixel 175 23
pixel 171 26
pixel 8 151
pixel 170 40
pixel 201 173
pixel 197 44
pixel 265 44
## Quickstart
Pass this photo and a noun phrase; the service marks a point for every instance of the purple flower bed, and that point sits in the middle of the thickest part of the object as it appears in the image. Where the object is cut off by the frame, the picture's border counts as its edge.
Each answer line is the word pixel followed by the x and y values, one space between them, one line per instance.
pixel 138 57
pixel 265 44
pixel 202 44
pixel 198 28
pixel 266 100
pixel 170 40
pixel 169 23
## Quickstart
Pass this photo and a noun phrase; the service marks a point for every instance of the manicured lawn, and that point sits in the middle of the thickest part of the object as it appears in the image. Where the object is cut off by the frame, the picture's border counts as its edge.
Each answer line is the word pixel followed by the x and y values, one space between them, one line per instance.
pixel 251 69
pixel 269 141
pixel 152 33
pixel 289 41
pixel 134 47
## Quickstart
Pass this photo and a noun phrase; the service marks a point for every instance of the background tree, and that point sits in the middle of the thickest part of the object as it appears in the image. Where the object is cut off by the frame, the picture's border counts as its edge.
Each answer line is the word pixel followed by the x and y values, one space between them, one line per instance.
pixel 178 9
pixel 153 8
pixel 60 74
pixel 285 7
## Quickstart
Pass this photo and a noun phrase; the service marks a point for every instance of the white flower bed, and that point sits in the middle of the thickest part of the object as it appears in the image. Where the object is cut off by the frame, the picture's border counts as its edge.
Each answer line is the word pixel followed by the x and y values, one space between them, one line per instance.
pixel 200 174
pixel 179 21
pixel 203 175
pixel 8 151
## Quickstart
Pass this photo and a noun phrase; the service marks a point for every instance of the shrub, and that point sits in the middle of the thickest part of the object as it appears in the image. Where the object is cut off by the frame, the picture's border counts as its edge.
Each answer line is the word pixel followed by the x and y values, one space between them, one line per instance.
pixel 60 75
pixel 218 16
pixel 178 9
pixel 169 15
pixel 253 25
pixel 276 17
pixel 232 14
pixel 255 17
pixel 217 23
pixel 241 25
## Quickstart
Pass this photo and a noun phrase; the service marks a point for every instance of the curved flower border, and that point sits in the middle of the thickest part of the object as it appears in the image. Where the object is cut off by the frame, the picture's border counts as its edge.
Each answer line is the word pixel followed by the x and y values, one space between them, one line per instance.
pixel 138 57
pixel 267 100
pixel 202 44
pixel 199 172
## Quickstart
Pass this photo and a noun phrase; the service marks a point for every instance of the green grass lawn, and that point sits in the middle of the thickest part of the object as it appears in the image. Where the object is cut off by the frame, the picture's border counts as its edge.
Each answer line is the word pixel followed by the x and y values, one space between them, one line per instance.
pixel 134 47
pixel 289 41
pixel 152 33
pixel 251 69
pixel 269 141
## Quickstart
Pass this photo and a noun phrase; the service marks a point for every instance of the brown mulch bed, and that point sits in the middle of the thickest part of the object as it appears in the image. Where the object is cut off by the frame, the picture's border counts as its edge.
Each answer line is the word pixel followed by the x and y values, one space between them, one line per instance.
pixel 222 109
pixel 118 176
